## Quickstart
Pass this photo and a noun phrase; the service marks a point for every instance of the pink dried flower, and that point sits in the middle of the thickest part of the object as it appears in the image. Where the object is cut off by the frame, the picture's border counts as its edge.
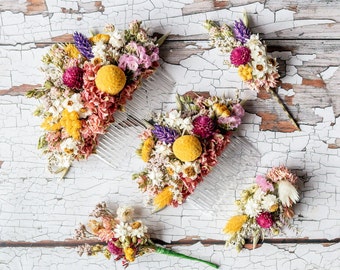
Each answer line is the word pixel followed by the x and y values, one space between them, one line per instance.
pixel 73 77
pixel 282 173
pixel 238 110
pixel 203 126
pixel 240 56
pixel 264 185
pixel 265 220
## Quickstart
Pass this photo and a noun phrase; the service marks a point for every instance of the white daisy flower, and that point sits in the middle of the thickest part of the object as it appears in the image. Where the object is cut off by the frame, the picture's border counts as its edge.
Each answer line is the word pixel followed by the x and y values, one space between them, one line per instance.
pixel 69 146
pixel 122 230
pixel 73 103
pixel 252 208
pixel 268 201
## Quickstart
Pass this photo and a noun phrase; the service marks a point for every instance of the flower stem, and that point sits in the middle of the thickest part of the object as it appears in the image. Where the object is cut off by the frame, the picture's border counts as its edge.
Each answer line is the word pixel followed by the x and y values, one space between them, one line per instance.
pixel 169 252
pixel 284 107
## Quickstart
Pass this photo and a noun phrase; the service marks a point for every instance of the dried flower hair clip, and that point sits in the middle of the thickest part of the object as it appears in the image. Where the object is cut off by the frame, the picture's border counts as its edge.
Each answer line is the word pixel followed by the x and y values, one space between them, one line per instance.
pixel 180 147
pixel 248 54
pixel 86 82
pixel 264 208
pixel 121 237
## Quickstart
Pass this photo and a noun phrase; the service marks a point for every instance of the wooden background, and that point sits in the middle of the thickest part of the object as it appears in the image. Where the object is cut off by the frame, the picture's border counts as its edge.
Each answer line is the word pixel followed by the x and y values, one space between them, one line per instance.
pixel 38 213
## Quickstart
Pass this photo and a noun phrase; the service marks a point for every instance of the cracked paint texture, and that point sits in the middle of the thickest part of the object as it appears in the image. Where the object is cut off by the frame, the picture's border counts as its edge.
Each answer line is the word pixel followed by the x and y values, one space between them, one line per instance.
pixel 37 206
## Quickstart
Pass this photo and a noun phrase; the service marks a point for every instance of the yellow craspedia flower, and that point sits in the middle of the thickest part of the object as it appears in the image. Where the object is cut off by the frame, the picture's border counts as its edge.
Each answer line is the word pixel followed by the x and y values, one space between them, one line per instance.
pixel 71 51
pixel 163 198
pixel 245 72
pixel 100 37
pixel 221 109
pixel 234 224
pixel 187 148
pixel 147 149
pixel 129 254
pixel 110 79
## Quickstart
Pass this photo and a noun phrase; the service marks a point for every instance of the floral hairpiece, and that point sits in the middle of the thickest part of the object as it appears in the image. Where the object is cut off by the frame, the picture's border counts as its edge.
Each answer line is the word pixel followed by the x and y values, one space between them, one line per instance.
pixel 85 84
pixel 249 55
pixel 124 238
pixel 264 208
pixel 181 146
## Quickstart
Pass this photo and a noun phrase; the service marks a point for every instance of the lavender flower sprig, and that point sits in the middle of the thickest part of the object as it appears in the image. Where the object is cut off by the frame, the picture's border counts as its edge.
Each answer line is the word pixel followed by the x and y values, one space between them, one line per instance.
pixel 241 31
pixel 165 134
pixel 83 45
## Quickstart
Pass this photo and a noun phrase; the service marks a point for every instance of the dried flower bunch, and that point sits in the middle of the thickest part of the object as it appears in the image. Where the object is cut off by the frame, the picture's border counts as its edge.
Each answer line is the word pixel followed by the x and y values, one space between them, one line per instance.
pixel 124 238
pixel 246 52
pixel 182 146
pixel 264 208
pixel 85 84
pixel 249 55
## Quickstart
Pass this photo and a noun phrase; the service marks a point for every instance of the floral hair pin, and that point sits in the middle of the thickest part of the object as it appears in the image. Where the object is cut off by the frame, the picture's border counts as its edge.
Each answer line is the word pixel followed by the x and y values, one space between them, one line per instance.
pixel 85 84
pixel 249 55
pixel 264 208
pixel 182 146
pixel 121 237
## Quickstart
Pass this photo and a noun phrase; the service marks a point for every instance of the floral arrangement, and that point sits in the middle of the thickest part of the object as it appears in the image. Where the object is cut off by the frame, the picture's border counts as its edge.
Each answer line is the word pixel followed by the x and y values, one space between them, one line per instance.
pixel 264 208
pixel 182 146
pixel 248 54
pixel 86 83
pixel 124 238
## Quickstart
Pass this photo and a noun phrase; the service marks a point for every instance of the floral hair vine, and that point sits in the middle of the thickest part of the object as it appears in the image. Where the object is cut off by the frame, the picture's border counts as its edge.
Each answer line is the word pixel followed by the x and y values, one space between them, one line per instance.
pixel 249 55
pixel 85 84
pixel 121 237
pixel 180 147
pixel 264 208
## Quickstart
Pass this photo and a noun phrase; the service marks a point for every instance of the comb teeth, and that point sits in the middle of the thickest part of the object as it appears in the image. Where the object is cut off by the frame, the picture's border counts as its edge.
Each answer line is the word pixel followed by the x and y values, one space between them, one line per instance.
pixel 237 162
pixel 117 147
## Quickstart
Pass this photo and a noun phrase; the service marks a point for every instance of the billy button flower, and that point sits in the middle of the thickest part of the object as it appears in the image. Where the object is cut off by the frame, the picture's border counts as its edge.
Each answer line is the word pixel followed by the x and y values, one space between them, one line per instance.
pixel 110 79
pixel 187 148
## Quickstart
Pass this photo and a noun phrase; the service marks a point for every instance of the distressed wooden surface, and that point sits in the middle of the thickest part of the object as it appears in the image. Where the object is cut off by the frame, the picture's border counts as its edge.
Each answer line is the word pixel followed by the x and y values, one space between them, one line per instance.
pixel 38 213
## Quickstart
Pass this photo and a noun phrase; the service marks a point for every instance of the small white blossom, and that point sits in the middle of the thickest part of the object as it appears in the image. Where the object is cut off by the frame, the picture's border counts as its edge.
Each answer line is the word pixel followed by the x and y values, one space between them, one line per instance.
pixel 73 103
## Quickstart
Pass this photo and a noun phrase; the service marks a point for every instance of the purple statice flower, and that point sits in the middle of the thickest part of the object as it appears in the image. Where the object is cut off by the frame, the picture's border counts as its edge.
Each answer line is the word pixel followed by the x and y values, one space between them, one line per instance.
pixel 83 45
pixel 203 126
pixel 165 134
pixel 242 32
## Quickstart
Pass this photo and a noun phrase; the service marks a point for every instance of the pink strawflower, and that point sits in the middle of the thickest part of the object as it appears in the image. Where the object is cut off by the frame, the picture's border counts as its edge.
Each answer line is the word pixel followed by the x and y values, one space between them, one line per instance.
pixel 203 126
pixel 231 122
pixel 240 56
pixel 282 173
pixel 264 185
pixel 128 61
pixel 265 220
pixel 73 77
pixel 114 249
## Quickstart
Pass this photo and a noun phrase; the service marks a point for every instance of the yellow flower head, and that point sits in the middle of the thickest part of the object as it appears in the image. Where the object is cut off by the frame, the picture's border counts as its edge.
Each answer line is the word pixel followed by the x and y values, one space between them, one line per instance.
pixel 100 37
pixel 71 51
pixel 163 198
pixel 136 225
pixel 245 72
pixel 274 207
pixel 110 79
pixel 187 148
pixel 49 126
pixel 221 109
pixel 234 224
pixel 129 254
pixel 147 149
pixel 71 123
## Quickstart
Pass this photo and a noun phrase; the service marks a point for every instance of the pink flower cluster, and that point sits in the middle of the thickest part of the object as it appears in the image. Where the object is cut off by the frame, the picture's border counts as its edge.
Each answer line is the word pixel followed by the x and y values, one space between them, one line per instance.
pixel 138 59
